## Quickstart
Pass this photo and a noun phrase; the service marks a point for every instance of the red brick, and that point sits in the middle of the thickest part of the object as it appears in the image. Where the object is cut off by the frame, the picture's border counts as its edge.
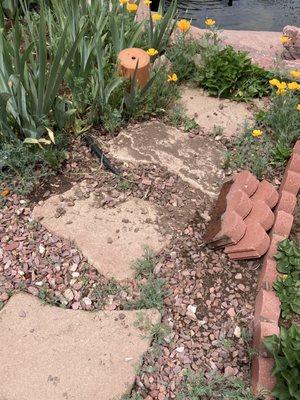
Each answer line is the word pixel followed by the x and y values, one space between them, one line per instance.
pixel 232 226
pixel 291 182
pixel 230 229
pixel 267 307
pixel 246 181
pixel 262 214
pixel 294 163
pixel 275 240
pixel 287 202
pixel 267 193
pixel 239 201
pixel 268 274
pixel 262 378
pixel 254 244
pixel 283 223
pixel 261 330
pixel 296 149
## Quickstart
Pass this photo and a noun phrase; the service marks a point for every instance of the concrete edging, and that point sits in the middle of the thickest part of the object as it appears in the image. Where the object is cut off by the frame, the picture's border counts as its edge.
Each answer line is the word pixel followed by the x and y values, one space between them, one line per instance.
pixel 267 304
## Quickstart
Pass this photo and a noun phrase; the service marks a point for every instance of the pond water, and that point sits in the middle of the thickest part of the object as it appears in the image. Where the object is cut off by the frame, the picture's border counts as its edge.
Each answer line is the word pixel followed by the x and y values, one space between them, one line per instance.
pixel 258 15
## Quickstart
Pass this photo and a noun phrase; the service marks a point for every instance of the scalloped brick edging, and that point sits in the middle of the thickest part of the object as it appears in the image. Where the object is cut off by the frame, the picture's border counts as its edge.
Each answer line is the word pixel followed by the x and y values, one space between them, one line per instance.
pixel 267 304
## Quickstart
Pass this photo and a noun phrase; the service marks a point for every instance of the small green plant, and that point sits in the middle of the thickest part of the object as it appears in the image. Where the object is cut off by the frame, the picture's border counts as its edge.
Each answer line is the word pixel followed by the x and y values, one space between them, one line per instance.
pixel 102 290
pixel 287 287
pixel 218 387
pixel 286 352
pixel 229 73
pixel 156 332
pixel 179 119
pixel 152 293
pixel 218 130
pixel 144 267
pixel 225 343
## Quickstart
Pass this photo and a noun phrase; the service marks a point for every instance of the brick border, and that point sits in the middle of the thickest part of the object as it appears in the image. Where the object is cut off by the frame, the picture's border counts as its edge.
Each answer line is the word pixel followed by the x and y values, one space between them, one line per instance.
pixel 267 304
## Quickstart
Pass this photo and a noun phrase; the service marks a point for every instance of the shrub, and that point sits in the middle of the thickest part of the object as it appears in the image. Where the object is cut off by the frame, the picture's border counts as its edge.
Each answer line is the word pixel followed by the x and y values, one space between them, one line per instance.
pixel 286 352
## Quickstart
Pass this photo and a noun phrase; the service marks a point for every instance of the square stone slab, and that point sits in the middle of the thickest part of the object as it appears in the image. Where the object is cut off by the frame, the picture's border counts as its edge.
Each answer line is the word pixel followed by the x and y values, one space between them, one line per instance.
pixel 110 238
pixel 48 353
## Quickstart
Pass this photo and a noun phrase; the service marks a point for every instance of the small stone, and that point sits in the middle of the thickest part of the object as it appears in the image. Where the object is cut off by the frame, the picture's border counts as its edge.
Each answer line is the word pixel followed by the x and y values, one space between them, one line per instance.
pixel 109 240
pixel 231 312
pixel 68 294
pixel 237 332
pixel 229 371
pixel 238 276
pixel 41 249
pixel 87 301
pixel 4 296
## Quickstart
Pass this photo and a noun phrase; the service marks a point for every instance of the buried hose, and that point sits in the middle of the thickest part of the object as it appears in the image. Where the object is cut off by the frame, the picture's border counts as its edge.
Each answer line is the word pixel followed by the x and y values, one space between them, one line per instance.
pixel 99 153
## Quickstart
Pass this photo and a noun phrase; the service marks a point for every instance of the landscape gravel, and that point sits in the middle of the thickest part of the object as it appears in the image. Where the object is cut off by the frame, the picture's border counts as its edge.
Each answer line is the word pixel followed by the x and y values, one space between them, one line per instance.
pixel 209 301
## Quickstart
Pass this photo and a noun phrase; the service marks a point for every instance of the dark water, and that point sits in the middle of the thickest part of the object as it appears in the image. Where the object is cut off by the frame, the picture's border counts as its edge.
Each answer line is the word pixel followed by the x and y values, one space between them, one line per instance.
pixel 258 15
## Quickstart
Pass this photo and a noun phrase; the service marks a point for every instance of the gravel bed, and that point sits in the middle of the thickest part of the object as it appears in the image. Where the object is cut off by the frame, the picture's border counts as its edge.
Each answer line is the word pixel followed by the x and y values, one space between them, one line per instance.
pixel 209 305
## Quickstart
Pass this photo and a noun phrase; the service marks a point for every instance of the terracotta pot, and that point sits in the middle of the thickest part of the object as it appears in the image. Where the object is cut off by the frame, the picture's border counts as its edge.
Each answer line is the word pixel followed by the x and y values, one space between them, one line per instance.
pixel 129 60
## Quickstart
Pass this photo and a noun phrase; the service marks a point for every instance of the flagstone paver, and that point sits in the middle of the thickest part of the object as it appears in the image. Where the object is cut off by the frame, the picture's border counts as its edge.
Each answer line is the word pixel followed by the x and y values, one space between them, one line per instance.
pixel 48 353
pixel 214 113
pixel 197 160
pixel 110 238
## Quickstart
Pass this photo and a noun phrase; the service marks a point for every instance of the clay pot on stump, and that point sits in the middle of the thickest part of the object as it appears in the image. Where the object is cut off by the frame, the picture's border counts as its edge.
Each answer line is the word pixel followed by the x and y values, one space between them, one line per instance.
pixel 134 60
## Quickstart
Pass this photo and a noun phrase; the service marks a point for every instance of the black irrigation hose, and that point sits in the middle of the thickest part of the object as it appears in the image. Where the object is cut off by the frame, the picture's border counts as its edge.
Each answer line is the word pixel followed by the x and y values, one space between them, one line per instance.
pixel 99 153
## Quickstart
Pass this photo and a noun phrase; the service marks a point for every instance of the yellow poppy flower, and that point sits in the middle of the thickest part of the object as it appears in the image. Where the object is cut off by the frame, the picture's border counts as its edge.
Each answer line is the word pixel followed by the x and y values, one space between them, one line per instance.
pixel 156 17
pixel 132 7
pixel 293 86
pixel 274 82
pixel 295 73
pixel 285 39
pixel 172 78
pixel 147 2
pixel 282 86
pixel 256 133
pixel 183 25
pixel 298 107
pixel 152 52
pixel 210 22
pixel 122 2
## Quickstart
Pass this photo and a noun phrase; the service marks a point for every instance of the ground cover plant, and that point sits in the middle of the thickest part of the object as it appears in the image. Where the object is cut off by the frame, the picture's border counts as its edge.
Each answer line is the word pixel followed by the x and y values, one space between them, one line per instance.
pixel 286 352
pixel 287 286
pixel 221 70
pixel 267 144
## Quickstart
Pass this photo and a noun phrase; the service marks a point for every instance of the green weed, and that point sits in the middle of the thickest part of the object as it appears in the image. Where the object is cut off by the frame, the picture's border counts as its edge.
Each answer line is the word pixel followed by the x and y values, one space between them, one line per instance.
pixel 216 387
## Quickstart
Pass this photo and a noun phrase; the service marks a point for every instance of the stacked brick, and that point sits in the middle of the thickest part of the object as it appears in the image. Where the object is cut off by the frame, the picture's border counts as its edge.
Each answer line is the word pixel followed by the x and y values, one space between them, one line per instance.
pixel 242 216
pixel 267 305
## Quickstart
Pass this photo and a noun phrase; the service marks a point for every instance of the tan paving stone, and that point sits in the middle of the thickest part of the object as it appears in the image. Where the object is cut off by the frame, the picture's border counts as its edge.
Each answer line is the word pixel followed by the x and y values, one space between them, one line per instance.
pixel 210 112
pixel 111 238
pixel 48 353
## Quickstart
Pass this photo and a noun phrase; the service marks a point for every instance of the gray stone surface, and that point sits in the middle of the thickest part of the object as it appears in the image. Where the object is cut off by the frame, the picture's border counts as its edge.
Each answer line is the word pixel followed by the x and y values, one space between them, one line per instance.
pixel 197 161
pixel 48 353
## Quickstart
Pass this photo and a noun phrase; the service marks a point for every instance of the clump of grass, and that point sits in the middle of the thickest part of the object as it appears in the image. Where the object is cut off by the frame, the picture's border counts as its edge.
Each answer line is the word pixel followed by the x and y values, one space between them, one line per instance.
pixel 145 266
pixel 102 290
pixel 152 293
pixel 216 386
pixel 152 288
pixel 178 118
